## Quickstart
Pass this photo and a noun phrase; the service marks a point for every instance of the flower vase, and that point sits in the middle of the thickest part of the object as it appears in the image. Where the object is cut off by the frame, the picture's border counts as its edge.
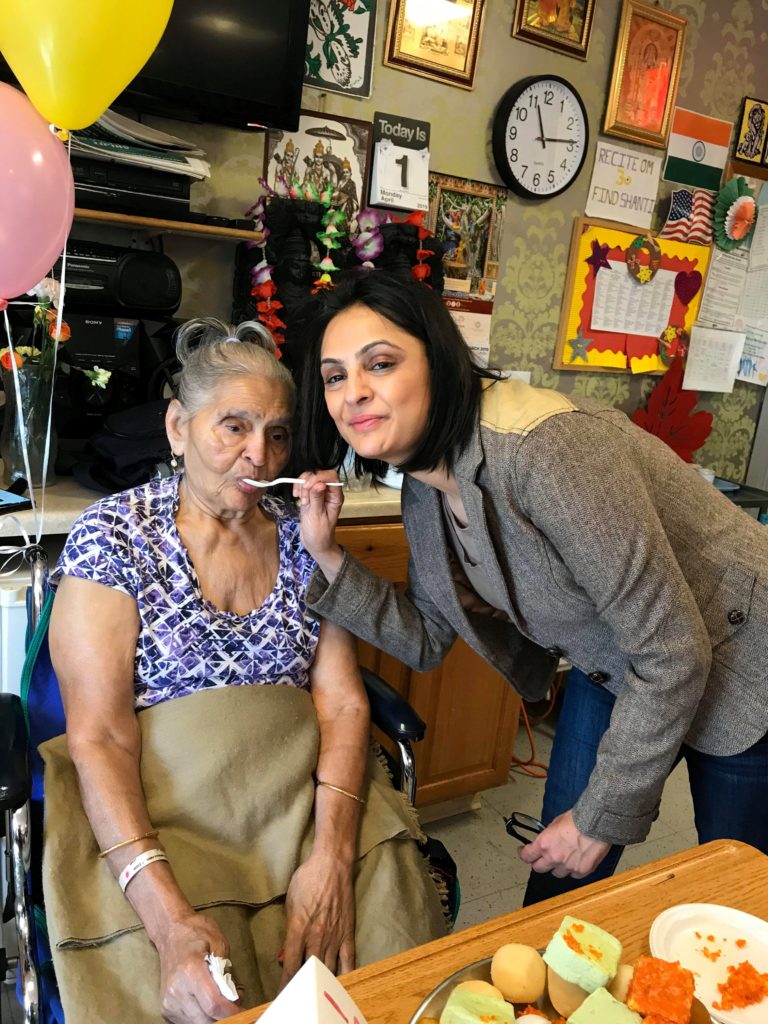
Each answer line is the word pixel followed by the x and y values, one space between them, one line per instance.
pixel 35 385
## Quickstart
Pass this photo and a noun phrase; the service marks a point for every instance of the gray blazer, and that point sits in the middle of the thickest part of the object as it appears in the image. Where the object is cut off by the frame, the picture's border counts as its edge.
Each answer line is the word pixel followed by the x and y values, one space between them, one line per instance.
pixel 608 549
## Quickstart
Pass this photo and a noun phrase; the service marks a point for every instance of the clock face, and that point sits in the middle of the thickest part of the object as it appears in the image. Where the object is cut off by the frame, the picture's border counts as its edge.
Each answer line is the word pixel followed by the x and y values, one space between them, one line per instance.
pixel 540 136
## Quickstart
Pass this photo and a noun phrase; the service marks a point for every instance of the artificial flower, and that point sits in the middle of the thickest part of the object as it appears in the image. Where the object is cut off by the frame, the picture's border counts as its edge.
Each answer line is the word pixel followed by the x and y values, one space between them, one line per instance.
pixel 64 333
pixel 264 291
pixel 326 265
pixel 323 283
pixel 421 271
pixel 369 220
pixel 48 289
pixel 5 359
pixel 261 273
pixel 98 376
pixel 28 351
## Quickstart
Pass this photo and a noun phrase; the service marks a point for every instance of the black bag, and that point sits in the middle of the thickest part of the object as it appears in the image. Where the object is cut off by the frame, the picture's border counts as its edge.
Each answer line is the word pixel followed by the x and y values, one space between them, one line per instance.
pixel 131 448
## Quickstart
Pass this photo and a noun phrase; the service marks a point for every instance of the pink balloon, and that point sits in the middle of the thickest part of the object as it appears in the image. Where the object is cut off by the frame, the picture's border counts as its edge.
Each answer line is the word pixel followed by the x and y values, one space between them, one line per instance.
pixel 37 195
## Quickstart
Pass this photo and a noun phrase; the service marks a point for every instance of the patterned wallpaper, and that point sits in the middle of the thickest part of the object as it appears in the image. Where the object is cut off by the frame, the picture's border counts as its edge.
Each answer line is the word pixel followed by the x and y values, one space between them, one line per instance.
pixel 723 62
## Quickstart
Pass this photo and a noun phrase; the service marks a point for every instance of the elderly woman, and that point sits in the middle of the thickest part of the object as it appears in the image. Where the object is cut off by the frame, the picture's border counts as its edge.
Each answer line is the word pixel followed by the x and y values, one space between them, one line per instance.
pixel 218 734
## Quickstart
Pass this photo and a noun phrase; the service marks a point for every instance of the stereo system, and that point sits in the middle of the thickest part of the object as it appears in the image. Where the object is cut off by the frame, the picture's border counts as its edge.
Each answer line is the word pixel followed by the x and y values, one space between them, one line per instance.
pixel 130 188
pixel 107 277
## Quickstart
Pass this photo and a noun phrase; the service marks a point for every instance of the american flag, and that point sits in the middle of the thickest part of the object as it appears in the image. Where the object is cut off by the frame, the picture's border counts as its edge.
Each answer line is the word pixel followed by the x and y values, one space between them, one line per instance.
pixel 690 217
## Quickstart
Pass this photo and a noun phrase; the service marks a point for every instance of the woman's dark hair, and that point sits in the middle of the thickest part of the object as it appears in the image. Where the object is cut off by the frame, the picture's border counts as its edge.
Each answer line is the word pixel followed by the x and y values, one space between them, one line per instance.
pixel 455 380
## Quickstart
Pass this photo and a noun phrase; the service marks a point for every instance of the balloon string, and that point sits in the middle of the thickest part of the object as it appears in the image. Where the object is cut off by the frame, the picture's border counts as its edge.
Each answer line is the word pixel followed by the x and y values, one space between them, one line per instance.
pixel 20 421
pixel 59 320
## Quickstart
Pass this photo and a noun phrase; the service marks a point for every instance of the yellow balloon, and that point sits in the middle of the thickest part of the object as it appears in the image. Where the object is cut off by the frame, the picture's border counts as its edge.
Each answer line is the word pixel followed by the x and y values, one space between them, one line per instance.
pixel 74 57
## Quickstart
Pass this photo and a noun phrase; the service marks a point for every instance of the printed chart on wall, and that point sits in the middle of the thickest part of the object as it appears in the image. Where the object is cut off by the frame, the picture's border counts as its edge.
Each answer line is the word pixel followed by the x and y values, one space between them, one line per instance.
pixel 630 299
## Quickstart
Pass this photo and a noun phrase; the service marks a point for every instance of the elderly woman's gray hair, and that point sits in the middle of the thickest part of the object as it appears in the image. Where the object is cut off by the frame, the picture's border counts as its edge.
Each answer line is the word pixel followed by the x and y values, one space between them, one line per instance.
pixel 212 352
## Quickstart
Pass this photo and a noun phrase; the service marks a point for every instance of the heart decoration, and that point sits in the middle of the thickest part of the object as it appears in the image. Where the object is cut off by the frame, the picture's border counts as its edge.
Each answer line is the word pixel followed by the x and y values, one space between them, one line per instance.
pixel 687 284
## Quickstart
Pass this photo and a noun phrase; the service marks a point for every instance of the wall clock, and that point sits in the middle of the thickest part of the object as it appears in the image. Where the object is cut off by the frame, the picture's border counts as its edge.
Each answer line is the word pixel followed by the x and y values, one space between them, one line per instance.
pixel 540 136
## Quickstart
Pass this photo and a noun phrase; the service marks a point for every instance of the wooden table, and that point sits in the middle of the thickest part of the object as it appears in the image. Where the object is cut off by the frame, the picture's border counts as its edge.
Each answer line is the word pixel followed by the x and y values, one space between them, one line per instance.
pixel 390 991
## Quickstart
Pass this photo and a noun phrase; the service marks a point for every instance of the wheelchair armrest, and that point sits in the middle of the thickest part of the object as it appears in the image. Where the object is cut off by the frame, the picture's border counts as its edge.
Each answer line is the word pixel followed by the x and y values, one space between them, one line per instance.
pixel 15 779
pixel 391 712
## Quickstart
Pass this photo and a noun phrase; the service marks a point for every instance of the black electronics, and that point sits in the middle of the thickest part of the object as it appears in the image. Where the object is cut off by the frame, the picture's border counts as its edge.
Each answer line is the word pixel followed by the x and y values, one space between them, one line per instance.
pixel 233 62
pixel 129 188
pixel 138 353
pixel 107 277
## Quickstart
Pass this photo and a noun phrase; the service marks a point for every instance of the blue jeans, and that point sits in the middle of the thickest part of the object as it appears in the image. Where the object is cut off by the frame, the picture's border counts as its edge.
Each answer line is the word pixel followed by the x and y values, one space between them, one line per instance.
pixel 729 793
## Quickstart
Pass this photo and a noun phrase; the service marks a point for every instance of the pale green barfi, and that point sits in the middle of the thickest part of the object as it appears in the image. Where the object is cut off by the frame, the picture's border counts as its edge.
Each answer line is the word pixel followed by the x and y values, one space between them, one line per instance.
pixel 601 1008
pixel 466 1007
pixel 583 954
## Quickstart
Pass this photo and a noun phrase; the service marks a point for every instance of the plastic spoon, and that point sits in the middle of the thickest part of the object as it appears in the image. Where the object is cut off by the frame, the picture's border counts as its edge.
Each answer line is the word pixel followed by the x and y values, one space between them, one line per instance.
pixel 284 480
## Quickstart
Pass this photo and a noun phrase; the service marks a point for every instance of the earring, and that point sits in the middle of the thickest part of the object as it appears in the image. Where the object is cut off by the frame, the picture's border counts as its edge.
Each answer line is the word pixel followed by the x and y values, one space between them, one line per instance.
pixel 174 462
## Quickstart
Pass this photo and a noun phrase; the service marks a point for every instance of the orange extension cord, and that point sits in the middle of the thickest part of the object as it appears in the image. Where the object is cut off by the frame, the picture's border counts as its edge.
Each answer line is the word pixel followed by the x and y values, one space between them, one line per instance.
pixel 535 769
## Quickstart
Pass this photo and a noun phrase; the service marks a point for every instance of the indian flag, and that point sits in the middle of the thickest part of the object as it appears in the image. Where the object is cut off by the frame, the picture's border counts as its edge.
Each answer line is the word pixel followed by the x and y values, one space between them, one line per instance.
pixel 697 150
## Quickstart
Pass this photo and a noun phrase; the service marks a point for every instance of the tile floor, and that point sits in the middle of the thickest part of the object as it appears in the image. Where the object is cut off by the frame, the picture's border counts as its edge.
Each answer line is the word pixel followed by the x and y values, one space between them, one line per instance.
pixel 492 878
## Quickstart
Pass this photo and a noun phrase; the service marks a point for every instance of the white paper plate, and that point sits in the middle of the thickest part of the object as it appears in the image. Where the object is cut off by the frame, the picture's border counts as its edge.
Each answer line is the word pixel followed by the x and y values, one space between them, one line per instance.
pixel 673 936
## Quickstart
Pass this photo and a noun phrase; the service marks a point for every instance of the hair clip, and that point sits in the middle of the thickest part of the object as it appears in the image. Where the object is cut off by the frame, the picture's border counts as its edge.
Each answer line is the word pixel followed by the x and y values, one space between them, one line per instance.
pixel 230 338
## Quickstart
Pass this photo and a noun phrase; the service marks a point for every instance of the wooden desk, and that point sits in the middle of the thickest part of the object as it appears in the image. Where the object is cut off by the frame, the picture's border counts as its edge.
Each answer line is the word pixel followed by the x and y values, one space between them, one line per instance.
pixel 390 991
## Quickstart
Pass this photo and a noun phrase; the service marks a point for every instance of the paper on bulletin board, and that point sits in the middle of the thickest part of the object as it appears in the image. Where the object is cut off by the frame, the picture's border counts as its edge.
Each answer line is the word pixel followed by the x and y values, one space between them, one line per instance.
pixel 713 360
pixel 580 345
pixel 623 305
pixel 624 185
pixel 758 250
pixel 753 365
pixel 723 291
pixel 313 996
pixel 473 318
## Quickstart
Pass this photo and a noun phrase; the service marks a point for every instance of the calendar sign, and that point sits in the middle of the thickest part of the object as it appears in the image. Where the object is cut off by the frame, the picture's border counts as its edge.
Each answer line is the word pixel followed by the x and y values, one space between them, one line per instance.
pixel 400 174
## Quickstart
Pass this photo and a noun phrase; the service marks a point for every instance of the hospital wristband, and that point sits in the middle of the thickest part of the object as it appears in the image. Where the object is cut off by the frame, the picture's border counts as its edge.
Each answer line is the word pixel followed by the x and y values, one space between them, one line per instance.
pixel 138 864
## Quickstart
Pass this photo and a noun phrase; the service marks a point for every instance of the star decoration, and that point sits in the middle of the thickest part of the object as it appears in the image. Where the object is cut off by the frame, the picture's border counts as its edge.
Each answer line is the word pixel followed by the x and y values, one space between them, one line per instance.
pixel 599 257
pixel 579 346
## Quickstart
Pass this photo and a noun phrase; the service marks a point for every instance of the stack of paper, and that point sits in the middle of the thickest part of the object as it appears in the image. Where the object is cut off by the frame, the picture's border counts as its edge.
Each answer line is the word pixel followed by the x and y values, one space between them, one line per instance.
pixel 114 137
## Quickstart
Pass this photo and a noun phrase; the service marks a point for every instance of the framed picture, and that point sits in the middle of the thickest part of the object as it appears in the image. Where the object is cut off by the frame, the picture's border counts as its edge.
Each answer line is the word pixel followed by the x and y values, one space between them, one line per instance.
pixel 646 72
pixel 324 151
pixel 435 41
pixel 753 127
pixel 340 38
pixel 562 25
pixel 467 218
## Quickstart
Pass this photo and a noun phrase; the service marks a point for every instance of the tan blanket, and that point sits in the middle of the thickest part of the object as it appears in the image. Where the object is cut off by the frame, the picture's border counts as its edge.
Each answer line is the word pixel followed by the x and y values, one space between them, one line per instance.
pixel 227 775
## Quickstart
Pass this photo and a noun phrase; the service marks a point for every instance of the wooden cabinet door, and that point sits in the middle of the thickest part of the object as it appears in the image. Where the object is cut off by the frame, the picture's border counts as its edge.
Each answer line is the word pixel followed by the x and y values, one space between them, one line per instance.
pixel 470 711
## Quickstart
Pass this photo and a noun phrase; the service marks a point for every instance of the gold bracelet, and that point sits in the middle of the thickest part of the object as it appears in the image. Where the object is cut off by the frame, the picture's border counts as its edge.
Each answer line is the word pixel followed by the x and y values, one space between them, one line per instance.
pixel 345 792
pixel 127 842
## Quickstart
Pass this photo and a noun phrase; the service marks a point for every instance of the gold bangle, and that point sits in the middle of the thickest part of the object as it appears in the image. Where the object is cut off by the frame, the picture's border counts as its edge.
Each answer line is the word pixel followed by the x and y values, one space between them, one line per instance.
pixel 127 842
pixel 345 792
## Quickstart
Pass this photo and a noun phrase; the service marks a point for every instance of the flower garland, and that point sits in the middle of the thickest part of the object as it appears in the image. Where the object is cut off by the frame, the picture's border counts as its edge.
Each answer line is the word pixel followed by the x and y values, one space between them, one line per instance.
pixel 263 288
pixel 364 234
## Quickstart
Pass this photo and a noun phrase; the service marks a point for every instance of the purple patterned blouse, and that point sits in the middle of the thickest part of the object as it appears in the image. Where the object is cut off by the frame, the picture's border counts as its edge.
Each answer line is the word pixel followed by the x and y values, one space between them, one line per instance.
pixel 129 541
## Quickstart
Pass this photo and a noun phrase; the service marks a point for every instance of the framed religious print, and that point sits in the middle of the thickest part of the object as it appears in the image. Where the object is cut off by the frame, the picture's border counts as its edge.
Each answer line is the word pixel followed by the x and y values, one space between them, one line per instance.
pixel 753 126
pixel 324 151
pixel 646 72
pixel 340 38
pixel 434 40
pixel 562 25
pixel 467 218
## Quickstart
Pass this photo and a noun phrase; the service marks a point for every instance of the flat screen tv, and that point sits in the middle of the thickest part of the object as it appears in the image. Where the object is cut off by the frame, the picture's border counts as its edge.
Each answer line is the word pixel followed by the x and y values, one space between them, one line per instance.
pixel 232 62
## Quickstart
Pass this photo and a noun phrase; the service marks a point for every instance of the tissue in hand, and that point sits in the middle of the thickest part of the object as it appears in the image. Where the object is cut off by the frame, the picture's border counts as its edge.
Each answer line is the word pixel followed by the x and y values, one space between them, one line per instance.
pixel 219 967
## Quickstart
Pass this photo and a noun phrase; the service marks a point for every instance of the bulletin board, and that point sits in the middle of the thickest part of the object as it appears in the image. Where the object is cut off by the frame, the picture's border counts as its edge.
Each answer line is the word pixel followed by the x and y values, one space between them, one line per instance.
pixel 620 323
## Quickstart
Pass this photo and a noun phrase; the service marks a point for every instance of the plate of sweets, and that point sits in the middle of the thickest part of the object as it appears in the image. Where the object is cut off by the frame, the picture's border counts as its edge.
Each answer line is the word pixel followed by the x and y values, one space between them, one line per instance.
pixel 578 979
pixel 727 952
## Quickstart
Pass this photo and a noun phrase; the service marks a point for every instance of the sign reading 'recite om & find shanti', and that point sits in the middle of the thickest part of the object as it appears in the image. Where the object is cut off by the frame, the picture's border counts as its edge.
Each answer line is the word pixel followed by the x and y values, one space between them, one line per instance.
pixel 624 185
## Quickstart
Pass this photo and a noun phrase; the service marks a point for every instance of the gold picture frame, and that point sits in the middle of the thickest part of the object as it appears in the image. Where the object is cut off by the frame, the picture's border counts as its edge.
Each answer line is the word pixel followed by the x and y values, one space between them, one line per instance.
pixel 445 51
pixel 646 74
pixel 561 25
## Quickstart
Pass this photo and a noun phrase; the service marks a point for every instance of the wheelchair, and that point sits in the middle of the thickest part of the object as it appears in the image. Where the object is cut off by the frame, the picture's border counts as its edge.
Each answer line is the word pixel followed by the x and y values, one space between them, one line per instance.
pixel 38 715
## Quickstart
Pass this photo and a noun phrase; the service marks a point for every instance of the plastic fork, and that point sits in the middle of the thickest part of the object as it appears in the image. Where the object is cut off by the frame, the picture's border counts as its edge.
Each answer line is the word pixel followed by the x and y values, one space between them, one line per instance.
pixel 284 480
